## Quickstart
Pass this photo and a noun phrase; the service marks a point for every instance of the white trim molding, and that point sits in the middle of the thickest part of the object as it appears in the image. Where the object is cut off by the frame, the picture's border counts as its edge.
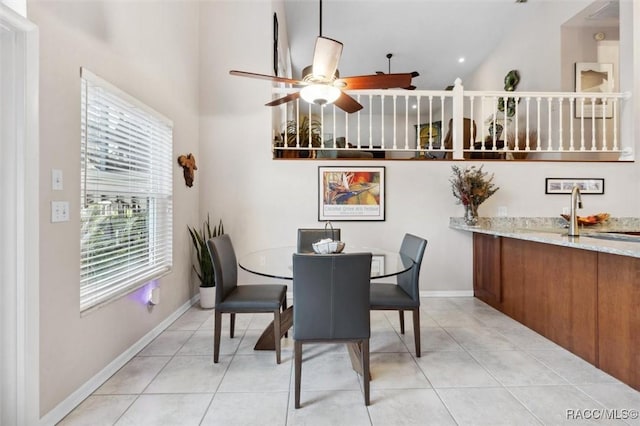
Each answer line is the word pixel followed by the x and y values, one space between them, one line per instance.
pixel 19 220
pixel 84 391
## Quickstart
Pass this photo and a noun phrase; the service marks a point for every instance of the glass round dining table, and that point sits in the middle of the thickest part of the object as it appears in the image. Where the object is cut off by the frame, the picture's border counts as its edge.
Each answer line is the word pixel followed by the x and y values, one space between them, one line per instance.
pixel 278 262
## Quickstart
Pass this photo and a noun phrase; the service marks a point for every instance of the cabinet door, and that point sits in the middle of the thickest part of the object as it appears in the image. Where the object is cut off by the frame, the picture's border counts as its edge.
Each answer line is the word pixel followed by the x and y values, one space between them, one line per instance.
pixel 486 269
pixel 560 296
pixel 513 278
pixel 619 317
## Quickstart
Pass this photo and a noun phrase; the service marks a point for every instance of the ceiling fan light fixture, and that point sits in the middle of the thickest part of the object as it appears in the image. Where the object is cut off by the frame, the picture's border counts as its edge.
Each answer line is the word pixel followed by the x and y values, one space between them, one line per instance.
pixel 320 94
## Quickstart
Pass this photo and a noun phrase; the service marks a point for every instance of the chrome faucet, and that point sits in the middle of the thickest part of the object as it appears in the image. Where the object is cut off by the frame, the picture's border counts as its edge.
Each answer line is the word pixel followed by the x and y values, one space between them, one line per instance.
pixel 576 203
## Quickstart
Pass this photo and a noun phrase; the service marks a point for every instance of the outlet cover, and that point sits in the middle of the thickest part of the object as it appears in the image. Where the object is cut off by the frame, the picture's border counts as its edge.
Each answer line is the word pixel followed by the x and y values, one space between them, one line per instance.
pixel 59 211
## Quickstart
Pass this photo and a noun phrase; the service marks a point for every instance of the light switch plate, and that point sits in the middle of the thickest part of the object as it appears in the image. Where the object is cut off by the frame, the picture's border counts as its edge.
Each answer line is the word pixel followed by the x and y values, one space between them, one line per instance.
pixel 59 211
pixel 57 180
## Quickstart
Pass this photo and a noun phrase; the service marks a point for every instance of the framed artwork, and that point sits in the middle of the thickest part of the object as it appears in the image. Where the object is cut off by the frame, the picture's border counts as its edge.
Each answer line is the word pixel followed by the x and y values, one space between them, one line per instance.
pixel 276 59
pixel 565 185
pixel 429 132
pixel 351 193
pixel 593 77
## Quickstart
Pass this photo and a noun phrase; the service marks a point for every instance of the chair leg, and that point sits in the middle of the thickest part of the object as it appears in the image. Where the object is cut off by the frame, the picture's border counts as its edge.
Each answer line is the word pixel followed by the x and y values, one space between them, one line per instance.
pixel 217 330
pixel 232 325
pixel 416 330
pixel 276 333
pixel 366 376
pixel 284 308
pixel 297 351
pixel 401 312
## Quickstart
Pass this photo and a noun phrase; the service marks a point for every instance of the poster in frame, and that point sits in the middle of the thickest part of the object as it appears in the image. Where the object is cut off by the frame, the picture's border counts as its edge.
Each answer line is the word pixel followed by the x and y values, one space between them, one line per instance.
pixel 351 193
pixel 565 185
pixel 596 78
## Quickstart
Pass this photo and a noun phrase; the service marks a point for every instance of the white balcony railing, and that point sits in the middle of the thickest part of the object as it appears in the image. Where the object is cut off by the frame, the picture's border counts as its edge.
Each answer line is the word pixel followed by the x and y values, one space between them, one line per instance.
pixel 459 124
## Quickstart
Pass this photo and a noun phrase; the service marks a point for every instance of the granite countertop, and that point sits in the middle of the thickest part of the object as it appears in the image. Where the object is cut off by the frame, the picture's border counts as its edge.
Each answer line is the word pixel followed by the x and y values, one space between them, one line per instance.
pixel 551 230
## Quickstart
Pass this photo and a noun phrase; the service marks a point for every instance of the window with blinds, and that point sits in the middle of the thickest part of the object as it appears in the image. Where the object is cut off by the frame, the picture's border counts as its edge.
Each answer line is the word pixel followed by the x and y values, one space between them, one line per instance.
pixel 126 193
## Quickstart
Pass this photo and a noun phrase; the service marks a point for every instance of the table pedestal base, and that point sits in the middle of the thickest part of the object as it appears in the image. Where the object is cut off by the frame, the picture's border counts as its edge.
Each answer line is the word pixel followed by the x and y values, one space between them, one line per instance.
pixel 266 342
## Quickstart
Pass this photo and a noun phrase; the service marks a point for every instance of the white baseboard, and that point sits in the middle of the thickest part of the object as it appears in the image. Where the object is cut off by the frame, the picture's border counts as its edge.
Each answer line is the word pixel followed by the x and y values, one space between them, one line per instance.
pixel 73 400
pixel 446 293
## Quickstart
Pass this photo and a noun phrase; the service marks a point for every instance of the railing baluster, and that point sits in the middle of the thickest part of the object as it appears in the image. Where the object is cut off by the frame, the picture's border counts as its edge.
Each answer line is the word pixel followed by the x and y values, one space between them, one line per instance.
pixel 571 134
pixel 560 132
pixel 615 124
pixel 517 131
pixel 406 122
pixel 471 121
pixel 371 122
pixel 333 117
pixel 605 106
pixel 538 103
pixel 549 145
pixel 358 121
pixel 593 124
pixel 395 133
pixel 418 141
pixel 527 145
pixel 582 141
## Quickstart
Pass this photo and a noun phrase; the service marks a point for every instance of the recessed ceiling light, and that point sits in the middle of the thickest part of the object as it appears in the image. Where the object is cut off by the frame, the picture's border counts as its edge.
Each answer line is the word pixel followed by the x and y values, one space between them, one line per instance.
pixel 461 59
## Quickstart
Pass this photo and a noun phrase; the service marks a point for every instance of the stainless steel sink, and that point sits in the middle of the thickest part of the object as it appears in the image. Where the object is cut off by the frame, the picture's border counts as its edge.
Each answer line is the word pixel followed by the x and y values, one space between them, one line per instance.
pixel 549 230
pixel 632 236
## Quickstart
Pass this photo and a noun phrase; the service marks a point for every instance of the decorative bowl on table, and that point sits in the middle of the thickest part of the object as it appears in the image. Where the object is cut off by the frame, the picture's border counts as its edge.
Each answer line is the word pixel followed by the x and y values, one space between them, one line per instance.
pixel 327 246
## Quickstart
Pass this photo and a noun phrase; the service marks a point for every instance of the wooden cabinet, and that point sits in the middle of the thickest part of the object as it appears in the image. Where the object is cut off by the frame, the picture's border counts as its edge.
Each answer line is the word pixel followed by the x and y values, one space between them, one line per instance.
pixel 586 301
pixel 619 317
pixel 486 269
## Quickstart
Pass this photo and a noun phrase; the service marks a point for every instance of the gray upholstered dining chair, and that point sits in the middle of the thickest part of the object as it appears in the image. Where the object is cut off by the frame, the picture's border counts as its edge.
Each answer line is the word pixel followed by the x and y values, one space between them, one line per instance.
pixel 405 294
pixel 308 236
pixel 232 298
pixel 331 296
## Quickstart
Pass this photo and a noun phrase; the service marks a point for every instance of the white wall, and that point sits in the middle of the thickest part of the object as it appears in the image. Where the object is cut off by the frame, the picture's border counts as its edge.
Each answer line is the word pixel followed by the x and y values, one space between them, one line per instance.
pixel 149 50
pixel 263 201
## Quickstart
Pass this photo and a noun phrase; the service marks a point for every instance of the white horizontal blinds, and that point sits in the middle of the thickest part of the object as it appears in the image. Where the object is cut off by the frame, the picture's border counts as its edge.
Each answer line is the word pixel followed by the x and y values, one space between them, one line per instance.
pixel 126 190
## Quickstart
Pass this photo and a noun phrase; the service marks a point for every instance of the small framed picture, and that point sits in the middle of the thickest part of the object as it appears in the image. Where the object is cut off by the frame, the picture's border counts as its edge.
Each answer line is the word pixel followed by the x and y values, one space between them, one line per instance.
pixel 351 193
pixel 565 185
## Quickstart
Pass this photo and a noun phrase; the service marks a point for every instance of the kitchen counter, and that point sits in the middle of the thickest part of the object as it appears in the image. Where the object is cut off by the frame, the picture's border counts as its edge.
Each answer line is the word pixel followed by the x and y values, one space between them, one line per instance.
pixel 580 292
pixel 553 231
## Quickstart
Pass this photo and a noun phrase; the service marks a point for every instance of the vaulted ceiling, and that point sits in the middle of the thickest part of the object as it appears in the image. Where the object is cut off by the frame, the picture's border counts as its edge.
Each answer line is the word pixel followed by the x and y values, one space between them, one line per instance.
pixel 428 36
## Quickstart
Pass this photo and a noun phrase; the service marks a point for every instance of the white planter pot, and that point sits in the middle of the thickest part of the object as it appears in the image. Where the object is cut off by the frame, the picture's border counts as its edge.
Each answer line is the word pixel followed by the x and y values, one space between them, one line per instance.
pixel 207 297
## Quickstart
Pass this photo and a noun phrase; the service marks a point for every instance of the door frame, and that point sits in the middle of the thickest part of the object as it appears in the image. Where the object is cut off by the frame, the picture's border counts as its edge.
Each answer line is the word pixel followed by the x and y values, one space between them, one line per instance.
pixel 19 221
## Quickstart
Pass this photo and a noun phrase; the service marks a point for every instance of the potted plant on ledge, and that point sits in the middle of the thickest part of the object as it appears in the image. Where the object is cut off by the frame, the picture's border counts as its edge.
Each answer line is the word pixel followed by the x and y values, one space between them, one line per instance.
pixel 204 271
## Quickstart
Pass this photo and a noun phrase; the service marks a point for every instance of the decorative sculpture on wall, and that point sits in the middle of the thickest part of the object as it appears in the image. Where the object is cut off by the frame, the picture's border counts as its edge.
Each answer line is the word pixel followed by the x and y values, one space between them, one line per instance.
pixel 188 164
pixel 511 81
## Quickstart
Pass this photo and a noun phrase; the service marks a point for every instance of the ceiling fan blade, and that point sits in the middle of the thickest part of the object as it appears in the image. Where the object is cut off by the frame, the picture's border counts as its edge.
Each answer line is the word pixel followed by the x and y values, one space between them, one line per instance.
pixel 284 100
pixel 266 77
pixel 347 103
pixel 375 81
pixel 326 57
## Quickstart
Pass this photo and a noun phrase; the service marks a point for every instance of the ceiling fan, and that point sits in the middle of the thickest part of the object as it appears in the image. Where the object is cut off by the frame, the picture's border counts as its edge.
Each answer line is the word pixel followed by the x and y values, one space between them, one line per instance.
pixel 413 74
pixel 323 86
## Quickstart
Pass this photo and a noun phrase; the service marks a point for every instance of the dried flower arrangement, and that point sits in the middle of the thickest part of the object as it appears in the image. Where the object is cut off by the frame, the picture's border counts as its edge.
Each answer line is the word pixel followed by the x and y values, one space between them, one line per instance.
pixel 471 186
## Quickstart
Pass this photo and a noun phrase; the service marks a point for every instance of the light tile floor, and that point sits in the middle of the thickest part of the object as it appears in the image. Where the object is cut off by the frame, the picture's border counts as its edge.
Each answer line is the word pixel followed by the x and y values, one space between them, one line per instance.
pixel 478 367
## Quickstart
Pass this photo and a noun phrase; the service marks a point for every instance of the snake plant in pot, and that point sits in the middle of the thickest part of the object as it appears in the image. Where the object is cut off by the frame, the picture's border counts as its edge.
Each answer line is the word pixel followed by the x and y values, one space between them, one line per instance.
pixel 204 269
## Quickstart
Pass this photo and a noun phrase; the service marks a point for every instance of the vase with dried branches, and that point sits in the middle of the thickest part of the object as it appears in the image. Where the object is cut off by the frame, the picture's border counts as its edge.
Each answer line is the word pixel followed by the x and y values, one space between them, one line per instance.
pixel 471 186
